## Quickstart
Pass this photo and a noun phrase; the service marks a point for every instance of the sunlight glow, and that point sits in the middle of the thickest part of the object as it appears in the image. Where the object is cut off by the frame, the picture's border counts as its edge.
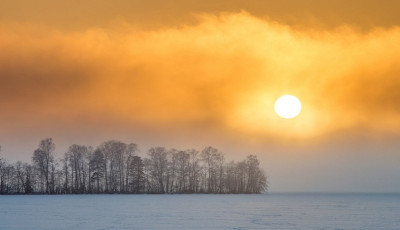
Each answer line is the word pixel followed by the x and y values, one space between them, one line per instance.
pixel 288 106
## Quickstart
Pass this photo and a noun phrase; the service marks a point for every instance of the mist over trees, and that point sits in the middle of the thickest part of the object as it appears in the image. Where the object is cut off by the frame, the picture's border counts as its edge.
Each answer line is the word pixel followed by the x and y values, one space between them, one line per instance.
pixel 116 167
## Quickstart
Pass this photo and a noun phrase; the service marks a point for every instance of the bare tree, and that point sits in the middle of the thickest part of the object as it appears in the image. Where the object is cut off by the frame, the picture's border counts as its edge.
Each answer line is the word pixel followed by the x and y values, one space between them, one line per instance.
pixel 77 155
pixel 214 160
pixel 115 156
pixel 43 159
pixel 182 159
pixel 252 173
pixel 241 177
pixel 158 157
pixel 65 162
pixel 98 169
pixel 20 177
pixel 207 155
pixel 28 178
pixel 194 169
pixel 131 151
pixel 136 175
pixel 2 165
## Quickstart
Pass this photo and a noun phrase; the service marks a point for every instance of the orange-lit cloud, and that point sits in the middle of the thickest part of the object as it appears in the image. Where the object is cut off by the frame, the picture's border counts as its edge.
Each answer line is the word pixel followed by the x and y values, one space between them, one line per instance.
pixel 225 72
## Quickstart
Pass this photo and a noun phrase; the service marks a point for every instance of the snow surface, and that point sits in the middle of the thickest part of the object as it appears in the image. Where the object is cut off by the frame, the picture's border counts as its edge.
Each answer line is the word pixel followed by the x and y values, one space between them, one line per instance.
pixel 266 211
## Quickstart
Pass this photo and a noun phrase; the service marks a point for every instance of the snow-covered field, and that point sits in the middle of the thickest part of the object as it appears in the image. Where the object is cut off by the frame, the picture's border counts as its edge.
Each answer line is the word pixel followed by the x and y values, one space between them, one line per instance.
pixel 267 211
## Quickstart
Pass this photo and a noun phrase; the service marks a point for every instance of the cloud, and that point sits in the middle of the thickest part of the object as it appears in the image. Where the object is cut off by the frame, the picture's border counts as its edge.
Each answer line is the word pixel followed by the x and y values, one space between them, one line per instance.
pixel 224 72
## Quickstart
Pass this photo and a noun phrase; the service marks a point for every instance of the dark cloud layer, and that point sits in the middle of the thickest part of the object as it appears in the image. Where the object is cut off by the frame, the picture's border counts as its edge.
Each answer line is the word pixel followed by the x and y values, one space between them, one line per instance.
pixel 72 15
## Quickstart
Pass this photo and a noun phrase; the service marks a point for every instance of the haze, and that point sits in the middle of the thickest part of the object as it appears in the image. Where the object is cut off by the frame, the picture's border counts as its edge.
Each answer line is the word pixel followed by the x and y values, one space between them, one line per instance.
pixel 192 74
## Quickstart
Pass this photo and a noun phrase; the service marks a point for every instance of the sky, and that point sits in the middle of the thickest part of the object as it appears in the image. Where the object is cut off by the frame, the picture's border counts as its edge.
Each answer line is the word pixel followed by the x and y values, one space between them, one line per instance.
pixel 189 74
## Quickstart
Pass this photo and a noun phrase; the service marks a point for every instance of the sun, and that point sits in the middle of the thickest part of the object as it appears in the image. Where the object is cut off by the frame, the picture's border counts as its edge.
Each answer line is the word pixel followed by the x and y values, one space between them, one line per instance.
pixel 288 106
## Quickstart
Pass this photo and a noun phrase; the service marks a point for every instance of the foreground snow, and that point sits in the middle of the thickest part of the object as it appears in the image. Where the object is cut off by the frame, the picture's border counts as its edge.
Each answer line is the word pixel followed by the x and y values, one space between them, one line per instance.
pixel 271 211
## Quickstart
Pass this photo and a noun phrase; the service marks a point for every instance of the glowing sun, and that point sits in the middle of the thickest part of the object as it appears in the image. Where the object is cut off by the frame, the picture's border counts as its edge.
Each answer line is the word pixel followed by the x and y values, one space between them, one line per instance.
pixel 288 106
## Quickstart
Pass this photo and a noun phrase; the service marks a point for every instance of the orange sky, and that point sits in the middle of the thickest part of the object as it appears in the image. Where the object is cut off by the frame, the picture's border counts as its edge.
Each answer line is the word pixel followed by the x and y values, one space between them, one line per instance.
pixel 190 74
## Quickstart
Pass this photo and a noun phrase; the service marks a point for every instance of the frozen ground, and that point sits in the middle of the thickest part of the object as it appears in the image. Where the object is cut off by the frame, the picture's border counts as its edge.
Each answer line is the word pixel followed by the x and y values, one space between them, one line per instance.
pixel 270 211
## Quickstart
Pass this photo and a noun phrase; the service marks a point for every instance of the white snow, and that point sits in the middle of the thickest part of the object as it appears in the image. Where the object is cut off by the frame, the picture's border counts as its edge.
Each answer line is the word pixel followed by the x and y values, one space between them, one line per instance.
pixel 267 211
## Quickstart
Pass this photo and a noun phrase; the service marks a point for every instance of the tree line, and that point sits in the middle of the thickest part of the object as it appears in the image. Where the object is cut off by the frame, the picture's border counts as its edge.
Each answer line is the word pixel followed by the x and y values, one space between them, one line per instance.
pixel 116 167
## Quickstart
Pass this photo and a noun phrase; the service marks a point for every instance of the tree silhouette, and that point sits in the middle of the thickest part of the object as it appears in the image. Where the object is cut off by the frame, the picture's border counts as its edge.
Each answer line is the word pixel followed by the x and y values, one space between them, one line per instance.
pixel 115 167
